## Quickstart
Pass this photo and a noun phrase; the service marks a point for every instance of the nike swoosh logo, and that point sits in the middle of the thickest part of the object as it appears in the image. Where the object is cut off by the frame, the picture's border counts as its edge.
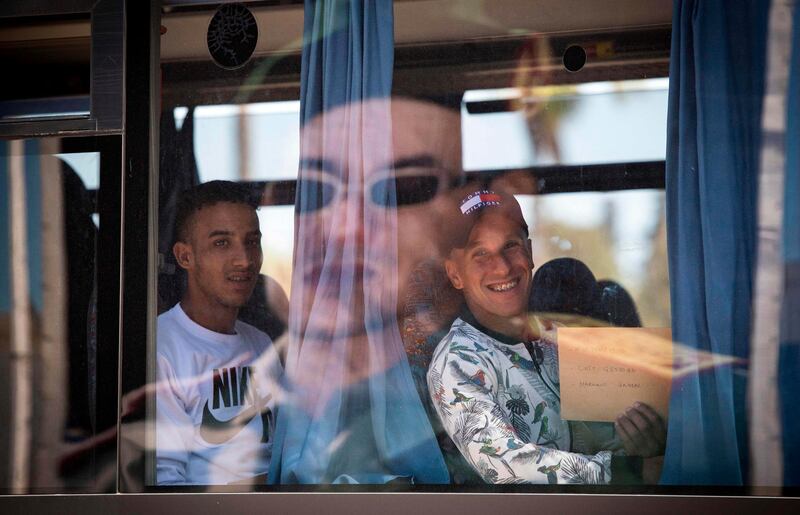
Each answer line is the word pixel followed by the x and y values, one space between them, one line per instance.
pixel 215 431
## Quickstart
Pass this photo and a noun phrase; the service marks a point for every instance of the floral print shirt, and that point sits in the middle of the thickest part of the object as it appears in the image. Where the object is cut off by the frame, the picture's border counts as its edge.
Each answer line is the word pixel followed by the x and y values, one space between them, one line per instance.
pixel 501 407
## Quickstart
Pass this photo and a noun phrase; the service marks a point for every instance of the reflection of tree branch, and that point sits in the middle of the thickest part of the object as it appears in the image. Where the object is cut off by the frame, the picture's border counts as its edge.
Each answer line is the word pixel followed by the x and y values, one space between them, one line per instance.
pixel 543 111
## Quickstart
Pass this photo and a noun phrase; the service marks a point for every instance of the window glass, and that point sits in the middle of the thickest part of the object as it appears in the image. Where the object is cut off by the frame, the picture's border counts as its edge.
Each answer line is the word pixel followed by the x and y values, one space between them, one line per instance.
pixel 434 252
pixel 620 236
pixel 277 226
pixel 586 122
pixel 62 45
pixel 248 142
pixel 260 142
pixel 360 240
pixel 574 124
pixel 58 371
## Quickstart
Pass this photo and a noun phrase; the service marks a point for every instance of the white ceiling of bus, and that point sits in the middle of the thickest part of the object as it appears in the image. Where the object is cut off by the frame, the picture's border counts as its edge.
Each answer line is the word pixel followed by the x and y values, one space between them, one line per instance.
pixel 426 21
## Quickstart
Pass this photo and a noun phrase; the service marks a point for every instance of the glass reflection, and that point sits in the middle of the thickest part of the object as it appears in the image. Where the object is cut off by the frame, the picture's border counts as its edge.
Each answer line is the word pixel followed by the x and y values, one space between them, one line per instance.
pixel 354 414
pixel 54 437
pixel 377 213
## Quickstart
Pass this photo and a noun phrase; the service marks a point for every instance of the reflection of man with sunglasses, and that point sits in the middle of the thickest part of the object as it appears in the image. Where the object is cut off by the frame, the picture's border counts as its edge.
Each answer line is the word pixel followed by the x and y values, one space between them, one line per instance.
pixel 346 184
pixel 373 184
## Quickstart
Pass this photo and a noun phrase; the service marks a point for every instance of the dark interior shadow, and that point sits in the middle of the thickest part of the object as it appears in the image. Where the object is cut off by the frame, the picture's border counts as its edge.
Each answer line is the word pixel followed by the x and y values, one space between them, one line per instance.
pixel 566 286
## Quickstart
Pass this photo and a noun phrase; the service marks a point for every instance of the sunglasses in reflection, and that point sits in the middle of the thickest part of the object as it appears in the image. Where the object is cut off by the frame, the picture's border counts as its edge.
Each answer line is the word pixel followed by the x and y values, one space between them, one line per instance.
pixel 318 191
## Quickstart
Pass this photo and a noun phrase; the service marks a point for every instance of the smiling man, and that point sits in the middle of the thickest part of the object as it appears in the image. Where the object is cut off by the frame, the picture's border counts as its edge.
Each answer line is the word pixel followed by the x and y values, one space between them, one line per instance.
pixel 214 406
pixel 494 377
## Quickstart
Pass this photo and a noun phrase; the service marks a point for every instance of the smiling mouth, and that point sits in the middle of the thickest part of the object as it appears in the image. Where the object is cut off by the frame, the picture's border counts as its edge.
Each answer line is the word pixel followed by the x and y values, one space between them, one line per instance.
pixel 245 278
pixel 501 287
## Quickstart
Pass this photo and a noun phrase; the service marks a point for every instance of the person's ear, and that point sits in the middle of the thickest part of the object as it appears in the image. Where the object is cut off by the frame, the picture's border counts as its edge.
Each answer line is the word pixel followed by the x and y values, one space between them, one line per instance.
pixel 183 254
pixel 451 269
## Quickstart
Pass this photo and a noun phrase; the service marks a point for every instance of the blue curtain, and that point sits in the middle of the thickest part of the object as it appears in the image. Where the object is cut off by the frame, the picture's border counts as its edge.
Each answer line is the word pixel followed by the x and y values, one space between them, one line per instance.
pixel 789 369
pixel 717 69
pixel 332 428
pixel 348 53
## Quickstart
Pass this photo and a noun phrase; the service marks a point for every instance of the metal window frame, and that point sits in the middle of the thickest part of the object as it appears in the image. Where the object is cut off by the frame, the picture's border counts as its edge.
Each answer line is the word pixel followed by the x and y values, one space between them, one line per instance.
pixel 106 75
pixel 399 503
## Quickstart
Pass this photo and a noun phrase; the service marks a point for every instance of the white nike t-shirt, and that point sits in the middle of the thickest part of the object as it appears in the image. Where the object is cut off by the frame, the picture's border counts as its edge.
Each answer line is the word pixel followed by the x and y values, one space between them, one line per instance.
pixel 215 402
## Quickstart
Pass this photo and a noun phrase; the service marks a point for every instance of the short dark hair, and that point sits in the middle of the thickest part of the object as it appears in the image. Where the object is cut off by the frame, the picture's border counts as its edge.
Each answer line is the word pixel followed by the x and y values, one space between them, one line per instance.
pixel 207 194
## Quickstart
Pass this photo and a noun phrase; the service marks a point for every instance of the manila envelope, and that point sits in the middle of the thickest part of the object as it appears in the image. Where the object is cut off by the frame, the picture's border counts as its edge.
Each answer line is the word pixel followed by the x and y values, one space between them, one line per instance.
pixel 605 370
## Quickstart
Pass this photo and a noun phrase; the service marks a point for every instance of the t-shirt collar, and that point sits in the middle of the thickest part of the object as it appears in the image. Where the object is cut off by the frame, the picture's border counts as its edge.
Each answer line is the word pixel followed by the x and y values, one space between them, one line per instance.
pixel 201 332
pixel 467 316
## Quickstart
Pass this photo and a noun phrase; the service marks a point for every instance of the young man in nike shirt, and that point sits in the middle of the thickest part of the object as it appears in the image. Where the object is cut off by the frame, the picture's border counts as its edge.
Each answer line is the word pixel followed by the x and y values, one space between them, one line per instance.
pixel 494 380
pixel 216 375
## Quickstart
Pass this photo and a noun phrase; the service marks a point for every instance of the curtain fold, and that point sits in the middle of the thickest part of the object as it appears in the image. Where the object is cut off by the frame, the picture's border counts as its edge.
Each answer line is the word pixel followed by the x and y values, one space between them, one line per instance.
pixel 717 68
pixel 351 412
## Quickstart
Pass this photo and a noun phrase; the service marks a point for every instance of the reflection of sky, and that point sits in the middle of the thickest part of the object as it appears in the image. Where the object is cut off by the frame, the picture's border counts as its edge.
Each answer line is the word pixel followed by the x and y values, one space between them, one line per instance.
pixel 615 127
pixel 607 122
pixel 495 140
pixel 86 165
pixel 216 141
pixel 634 213
pixel 273 141
pixel 277 240
pixel 275 146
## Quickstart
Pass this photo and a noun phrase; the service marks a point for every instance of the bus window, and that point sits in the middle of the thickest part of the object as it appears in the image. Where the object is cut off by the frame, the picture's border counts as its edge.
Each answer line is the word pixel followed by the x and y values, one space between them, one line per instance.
pixel 59 387
pixel 527 134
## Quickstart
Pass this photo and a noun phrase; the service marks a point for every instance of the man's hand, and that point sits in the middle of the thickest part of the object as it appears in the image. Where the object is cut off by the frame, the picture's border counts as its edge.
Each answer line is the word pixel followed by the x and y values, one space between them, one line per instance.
pixel 642 431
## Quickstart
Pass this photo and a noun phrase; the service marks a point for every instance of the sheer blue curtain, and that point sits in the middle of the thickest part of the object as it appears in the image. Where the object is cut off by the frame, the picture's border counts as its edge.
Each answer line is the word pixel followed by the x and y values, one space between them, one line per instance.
pixel 351 412
pixel 717 69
